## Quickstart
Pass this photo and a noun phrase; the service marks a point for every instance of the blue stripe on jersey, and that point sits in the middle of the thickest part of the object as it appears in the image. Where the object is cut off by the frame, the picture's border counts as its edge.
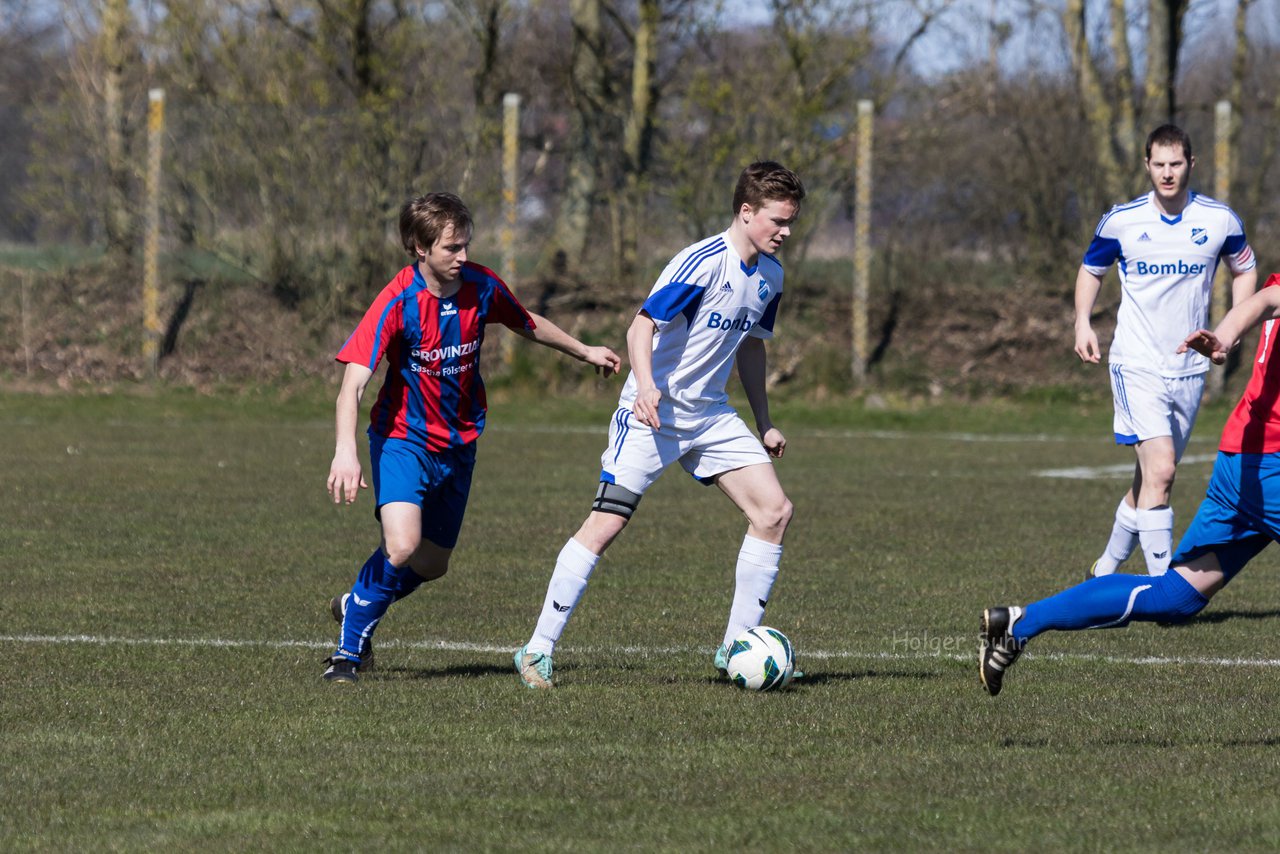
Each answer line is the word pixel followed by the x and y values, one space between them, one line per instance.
pixel 675 298
pixel 1117 383
pixel 415 408
pixel 695 259
pixel 1128 206
pixel 623 419
pixel 450 388
pixel 377 330
pixel 770 313
pixel 1102 251
pixel 1234 244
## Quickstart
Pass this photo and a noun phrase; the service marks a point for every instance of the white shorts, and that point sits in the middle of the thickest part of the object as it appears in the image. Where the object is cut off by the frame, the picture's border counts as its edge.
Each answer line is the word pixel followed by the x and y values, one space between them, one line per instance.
pixel 637 455
pixel 1148 406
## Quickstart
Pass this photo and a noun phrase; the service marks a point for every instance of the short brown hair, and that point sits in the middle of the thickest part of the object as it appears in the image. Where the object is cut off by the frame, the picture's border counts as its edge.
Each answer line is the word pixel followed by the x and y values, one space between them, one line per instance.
pixel 423 218
pixel 1170 135
pixel 766 181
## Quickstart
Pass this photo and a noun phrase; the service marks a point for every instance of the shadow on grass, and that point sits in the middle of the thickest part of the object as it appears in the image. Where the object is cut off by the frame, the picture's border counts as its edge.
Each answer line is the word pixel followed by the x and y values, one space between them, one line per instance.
pixel 1224 616
pixel 815 678
pixel 473 670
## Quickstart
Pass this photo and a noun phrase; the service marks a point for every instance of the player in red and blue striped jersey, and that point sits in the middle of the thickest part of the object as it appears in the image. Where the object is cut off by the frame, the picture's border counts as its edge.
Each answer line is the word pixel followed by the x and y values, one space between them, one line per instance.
pixel 1239 517
pixel 428 324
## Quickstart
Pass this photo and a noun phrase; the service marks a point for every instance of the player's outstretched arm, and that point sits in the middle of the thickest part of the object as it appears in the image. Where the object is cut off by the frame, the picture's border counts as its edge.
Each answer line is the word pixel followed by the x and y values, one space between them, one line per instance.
pixel 548 334
pixel 640 352
pixel 1087 287
pixel 752 370
pixel 345 478
pixel 1244 285
pixel 1263 305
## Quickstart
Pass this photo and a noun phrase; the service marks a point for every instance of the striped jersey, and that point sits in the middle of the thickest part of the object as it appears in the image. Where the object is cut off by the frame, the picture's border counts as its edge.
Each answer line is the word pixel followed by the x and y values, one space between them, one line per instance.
pixel 1166 265
pixel 704 304
pixel 433 393
pixel 1254 425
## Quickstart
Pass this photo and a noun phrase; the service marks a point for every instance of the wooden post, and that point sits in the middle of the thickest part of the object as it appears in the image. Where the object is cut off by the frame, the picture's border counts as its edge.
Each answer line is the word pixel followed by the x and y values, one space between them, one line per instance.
pixel 510 190
pixel 24 282
pixel 862 243
pixel 151 239
pixel 1218 301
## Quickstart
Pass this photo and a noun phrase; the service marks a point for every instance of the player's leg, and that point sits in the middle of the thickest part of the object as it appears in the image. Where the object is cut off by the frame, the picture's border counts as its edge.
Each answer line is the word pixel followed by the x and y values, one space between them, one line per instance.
pixel 1230 528
pixel 401 473
pixel 574 564
pixel 1124 531
pixel 758 494
pixel 630 464
pixel 1157 461
pixel 1124 528
pixel 385 577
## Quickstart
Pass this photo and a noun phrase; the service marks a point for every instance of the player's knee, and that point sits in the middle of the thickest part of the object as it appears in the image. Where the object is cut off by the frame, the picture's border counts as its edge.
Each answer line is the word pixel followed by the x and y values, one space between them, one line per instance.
pixel 1172 599
pixel 400 551
pixel 774 517
pixel 1159 474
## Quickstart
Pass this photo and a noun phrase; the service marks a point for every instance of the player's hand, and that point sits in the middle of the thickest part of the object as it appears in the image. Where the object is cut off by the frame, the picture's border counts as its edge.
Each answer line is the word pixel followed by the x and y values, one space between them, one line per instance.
pixel 1206 343
pixel 646 407
pixel 606 361
pixel 345 478
pixel 774 442
pixel 1087 345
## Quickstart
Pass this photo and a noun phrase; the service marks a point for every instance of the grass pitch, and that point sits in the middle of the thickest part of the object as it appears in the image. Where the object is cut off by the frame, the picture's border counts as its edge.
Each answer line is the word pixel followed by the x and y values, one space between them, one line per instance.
pixel 163 612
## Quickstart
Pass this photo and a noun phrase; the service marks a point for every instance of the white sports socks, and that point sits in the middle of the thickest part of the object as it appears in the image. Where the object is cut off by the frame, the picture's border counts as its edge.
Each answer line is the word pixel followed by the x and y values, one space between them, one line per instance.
pixel 1155 532
pixel 1124 539
pixel 568 583
pixel 757 568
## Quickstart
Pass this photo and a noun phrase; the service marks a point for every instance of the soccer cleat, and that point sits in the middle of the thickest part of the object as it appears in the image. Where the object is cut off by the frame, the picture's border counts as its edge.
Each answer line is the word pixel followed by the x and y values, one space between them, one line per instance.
pixel 341 670
pixel 721 659
pixel 999 649
pixel 338 607
pixel 534 669
pixel 1092 572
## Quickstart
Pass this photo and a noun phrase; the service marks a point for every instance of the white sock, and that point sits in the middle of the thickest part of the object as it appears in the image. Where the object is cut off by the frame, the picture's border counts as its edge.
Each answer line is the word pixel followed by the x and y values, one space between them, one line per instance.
pixel 1155 531
pixel 568 583
pixel 1124 538
pixel 753 579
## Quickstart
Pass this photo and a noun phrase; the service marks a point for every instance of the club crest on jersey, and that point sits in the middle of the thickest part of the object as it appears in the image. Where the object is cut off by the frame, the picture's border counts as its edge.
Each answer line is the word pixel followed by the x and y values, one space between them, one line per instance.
pixel 763 291
pixel 1199 236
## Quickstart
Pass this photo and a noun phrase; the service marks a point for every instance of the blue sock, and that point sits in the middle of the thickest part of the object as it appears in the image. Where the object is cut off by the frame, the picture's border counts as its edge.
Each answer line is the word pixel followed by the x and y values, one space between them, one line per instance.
pixel 1112 601
pixel 379 583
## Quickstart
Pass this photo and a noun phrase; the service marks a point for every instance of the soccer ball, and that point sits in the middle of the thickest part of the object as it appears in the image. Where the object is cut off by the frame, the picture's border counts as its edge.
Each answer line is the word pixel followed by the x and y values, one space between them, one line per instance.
pixel 761 659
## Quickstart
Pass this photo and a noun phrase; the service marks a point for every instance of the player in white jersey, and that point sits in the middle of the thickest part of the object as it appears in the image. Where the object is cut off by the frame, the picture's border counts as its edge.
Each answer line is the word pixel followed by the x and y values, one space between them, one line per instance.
pixel 713 305
pixel 1168 244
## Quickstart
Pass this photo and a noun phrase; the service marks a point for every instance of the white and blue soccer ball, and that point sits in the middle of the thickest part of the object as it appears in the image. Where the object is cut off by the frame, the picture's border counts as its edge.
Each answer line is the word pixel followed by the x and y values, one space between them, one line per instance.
pixel 761 659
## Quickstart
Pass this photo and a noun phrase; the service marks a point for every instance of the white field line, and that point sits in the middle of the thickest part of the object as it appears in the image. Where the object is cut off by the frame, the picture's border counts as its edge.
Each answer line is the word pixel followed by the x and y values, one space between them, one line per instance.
pixel 1122 470
pixel 465 646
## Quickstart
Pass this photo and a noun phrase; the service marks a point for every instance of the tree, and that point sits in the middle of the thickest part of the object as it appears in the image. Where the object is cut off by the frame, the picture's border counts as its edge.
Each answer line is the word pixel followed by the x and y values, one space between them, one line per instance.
pixel 116 52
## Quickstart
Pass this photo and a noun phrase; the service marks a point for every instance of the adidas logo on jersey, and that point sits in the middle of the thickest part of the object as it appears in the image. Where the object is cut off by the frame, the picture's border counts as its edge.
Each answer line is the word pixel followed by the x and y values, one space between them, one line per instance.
pixel 726 288
pixel 1145 237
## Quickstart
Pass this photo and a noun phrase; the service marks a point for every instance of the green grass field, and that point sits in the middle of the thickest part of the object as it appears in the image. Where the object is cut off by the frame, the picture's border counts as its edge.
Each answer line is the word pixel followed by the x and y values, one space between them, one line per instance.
pixel 168 561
